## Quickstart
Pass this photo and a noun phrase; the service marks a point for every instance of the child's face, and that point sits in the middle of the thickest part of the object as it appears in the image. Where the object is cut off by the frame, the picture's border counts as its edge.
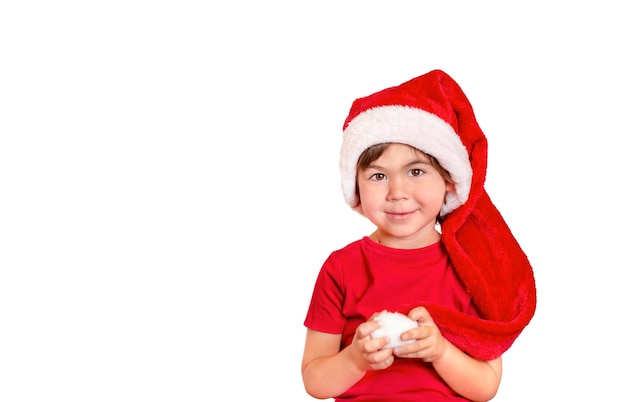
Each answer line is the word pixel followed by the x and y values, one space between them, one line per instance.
pixel 402 193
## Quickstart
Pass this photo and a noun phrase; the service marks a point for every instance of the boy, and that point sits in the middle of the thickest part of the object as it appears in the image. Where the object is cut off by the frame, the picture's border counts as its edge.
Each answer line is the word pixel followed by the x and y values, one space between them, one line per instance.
pixel 413 159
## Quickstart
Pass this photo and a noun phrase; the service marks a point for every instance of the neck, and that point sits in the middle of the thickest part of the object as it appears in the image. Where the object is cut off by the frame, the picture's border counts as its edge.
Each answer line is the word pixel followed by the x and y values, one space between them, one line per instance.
pixel 417 241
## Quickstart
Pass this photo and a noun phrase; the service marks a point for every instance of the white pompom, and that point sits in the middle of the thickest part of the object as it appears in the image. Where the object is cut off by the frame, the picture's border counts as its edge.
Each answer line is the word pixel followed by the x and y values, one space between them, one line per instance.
pixel 392 325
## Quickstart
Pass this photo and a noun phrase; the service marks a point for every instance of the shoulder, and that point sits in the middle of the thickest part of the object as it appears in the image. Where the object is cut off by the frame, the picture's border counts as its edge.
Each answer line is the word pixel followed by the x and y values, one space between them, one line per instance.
pixel 350 250
pixel 346 256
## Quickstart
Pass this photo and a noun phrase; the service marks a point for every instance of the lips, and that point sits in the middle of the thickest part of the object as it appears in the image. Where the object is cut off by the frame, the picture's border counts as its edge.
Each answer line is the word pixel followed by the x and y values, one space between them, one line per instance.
pixel 399 215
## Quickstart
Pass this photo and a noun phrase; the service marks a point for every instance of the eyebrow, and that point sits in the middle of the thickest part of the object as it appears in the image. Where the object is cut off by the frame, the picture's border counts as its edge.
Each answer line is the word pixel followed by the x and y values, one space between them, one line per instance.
pixel 418 161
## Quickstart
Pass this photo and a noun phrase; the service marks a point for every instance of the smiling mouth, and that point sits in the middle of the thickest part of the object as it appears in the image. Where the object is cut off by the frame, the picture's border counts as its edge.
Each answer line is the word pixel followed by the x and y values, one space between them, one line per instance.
pixel 399 215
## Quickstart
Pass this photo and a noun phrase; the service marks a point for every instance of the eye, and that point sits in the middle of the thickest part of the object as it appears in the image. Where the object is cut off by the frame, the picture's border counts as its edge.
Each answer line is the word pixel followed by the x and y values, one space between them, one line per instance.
pixel 416 172
pixel 377 177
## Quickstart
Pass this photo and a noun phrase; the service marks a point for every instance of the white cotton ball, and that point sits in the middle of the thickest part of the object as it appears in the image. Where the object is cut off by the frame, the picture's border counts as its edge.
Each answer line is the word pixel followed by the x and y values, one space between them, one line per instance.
pixel 392 325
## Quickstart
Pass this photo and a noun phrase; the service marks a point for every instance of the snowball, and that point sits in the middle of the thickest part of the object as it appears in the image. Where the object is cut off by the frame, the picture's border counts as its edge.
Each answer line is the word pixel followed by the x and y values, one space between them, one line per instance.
pixel 392 325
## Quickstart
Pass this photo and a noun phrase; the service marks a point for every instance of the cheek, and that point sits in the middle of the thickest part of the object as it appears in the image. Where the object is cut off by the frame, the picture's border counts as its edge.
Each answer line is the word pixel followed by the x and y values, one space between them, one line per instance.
pixel 433 194
pixel 370 202
pixel 371 193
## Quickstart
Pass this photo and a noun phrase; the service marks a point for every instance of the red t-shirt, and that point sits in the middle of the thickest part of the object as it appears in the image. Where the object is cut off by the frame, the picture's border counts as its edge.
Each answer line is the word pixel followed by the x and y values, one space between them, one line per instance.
pixel 366 277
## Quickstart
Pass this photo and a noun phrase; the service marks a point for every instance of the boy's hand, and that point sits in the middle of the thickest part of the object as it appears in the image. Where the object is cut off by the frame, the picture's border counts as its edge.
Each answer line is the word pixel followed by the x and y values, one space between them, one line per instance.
pixel 368 353
pixel 429 344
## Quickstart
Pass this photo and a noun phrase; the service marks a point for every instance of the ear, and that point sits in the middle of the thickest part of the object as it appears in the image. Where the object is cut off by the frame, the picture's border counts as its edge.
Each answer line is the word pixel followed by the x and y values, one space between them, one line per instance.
pixel 359 209
pixel 449 188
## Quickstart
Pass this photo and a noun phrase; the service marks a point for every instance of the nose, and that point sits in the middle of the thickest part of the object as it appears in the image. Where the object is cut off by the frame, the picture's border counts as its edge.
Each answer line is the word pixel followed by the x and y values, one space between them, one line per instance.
pixel 397 189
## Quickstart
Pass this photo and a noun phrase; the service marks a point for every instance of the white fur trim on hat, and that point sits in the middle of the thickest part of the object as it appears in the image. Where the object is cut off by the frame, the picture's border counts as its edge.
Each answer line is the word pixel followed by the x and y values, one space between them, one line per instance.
pixel 406 125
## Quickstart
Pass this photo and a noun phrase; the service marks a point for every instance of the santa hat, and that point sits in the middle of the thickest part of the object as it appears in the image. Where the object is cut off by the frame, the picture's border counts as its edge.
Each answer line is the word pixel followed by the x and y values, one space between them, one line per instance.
pixel 431 113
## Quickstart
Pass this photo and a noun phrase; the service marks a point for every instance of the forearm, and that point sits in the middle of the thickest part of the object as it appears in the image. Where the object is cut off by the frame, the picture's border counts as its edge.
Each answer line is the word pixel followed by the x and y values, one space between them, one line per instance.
pixel 330 376
pixel 474 379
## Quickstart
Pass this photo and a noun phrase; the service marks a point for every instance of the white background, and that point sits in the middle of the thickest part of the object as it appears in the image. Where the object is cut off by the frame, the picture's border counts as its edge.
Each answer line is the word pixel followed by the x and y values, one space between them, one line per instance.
pixel 169 184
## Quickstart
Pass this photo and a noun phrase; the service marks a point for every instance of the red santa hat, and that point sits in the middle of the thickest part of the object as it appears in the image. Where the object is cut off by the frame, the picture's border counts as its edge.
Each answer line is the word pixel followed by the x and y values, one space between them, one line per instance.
pixel 431 113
